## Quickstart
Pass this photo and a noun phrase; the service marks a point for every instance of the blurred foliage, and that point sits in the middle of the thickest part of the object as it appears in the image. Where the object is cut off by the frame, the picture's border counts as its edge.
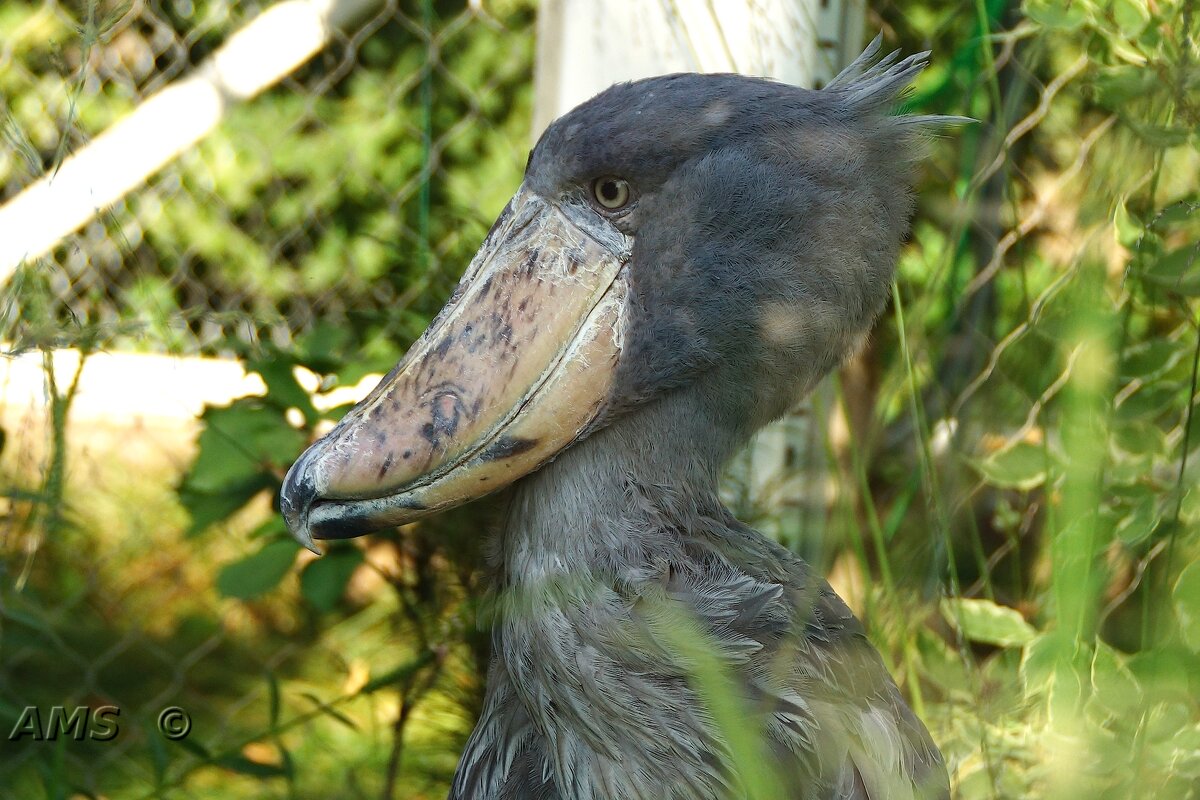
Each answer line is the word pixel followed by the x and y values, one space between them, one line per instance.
pixel 314 232
pixel 1016 511
pixel 312 203
pixel 1047 326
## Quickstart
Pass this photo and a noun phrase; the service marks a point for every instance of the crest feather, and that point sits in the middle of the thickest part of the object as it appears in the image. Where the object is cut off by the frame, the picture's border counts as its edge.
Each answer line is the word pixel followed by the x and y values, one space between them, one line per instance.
pixel 876 85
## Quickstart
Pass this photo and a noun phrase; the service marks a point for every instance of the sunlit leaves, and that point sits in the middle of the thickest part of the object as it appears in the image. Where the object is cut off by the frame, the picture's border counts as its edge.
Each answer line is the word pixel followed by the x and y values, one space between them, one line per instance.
pixel 1020 466
pixel 988 622
pixel 283 390
pixel 1053 662
pixel 1114 685
pixel 244 447
pixel 1061 14
pixel 1152 359
pixel 1138 512
pixel 1150 401
pixel 1130 16
pixel 1186 597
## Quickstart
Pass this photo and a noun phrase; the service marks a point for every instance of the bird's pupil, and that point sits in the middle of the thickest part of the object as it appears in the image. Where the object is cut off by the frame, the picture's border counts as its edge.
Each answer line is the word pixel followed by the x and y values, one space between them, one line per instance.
pixel 609 190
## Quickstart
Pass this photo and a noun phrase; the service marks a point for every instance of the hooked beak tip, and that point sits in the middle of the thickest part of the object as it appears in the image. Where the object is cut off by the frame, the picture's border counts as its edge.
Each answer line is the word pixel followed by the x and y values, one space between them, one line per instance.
pixel 295 499
pixel 305 538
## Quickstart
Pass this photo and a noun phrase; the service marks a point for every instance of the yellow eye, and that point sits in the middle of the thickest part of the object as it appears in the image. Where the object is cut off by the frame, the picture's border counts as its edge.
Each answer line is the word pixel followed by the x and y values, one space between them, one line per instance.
pixel 611 192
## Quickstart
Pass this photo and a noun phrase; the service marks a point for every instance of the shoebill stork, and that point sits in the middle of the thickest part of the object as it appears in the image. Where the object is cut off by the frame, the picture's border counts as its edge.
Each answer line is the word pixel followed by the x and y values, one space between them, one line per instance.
pixel 686 256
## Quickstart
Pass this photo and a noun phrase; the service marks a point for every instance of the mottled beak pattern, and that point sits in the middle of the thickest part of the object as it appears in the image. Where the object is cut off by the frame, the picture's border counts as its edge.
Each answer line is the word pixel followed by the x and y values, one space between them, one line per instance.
pixel 514 369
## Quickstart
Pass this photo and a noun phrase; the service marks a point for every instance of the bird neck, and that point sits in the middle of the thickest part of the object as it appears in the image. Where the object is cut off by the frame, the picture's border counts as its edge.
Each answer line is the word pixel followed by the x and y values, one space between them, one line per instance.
pixel 616 503
pixel 594 546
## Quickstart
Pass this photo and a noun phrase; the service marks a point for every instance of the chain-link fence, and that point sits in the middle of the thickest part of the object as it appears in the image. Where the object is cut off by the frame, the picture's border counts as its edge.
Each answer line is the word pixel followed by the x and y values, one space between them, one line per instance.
pixel 301 203
pixel 1011 502
pixel 327 215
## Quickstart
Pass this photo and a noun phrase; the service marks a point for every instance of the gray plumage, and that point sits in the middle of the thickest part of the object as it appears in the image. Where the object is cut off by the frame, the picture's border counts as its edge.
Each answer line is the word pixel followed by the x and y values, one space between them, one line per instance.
pixel 766 223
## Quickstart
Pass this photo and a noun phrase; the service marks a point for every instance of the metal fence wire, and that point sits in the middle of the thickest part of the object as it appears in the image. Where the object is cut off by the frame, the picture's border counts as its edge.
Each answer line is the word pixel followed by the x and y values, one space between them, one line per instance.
pixel 321 218
pixel 298 207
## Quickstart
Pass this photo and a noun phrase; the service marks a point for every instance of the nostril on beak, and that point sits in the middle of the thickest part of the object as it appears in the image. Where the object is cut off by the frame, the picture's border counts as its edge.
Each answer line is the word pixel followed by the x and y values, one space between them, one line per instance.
pixel 296 498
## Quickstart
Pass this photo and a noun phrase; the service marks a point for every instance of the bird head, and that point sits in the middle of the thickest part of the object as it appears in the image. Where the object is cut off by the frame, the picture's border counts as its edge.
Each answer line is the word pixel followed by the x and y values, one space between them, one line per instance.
pixel 687 232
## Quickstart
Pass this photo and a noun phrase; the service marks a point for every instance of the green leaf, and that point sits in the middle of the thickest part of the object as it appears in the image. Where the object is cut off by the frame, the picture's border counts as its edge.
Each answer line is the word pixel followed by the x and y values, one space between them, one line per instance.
pixel 207 508
pixel 241 442
pixel 324 349
pixel 1165 720
pixel 1141 520
pixel 1115 87
pixel 258 573
pixel 1131 16
pixel 1149 401
pixel 1189 509
pixel 1127 229
pixel 1158 135
pixel 333 713
pixel 272 528
pixel 1139 438
pixel 1115 686
pixel 1022 466
pixel 1060 14
pixel 1177 271
pixel 241 450
pixel 1039 660
pixel 1186 597
pixel 1056 667
pixel 324 580
pixel 1151 359
pixel 283 390
pixel 1176 213
pixel 1164 672
pixel 988 622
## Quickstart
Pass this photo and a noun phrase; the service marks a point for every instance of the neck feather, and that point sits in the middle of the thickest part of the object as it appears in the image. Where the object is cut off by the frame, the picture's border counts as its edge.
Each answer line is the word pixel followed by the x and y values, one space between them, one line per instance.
pixel 614 503
pixel 594 548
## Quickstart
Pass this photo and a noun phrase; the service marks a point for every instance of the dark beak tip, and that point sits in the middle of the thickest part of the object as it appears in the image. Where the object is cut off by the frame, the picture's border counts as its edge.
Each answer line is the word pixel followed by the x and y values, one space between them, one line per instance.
pixel 296 497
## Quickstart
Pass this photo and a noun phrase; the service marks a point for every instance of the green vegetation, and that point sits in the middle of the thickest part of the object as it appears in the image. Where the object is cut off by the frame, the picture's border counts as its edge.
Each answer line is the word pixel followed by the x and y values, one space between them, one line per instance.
pixel 1050 310
pixel 1015 508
